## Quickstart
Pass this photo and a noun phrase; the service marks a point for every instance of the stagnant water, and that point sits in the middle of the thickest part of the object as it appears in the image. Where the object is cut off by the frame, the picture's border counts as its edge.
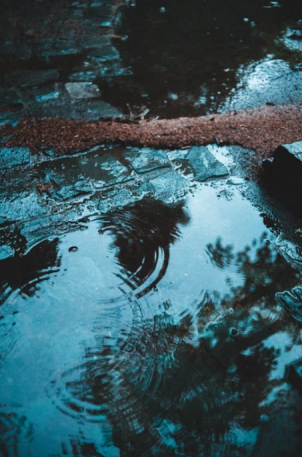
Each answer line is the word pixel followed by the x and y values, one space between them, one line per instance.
pixel 155 331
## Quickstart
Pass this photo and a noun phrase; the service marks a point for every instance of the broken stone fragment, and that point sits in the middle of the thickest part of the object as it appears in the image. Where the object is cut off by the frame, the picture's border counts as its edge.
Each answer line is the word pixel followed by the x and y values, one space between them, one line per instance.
pixel 204 164
pixel 293 374
pixel 284 172
pixel 80 90
pixel 292 301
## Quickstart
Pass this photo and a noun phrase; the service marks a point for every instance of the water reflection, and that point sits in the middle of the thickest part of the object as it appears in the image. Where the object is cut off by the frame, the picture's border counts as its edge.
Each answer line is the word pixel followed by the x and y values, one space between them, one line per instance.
pixel 142 235
pixel 164 393
pixel 186 58
pixel 24 273
pixel 130 347
pixel 13 429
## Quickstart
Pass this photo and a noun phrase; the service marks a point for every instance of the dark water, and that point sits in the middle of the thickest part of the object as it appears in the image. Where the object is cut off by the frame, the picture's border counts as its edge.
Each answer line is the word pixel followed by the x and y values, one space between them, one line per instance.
pixel 155 331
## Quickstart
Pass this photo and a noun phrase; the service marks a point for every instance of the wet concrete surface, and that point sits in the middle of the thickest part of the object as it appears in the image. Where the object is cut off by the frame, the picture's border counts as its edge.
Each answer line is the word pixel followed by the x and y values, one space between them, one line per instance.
pixel 149 299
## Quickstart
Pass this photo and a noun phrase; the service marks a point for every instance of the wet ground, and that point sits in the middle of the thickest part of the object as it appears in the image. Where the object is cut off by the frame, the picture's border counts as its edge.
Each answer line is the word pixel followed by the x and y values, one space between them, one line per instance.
pixel 141 292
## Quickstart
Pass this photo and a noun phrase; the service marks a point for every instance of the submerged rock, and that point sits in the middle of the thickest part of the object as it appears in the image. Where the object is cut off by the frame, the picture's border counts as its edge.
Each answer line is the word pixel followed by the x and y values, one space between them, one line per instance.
pixel 81 90
pixel 292 301
pixel 204 164
pixel 293 374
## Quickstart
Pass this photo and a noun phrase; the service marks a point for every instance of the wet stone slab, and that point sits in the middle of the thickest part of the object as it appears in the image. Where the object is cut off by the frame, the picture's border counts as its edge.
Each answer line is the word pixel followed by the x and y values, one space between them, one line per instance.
pixel 204 164
pixel 170 187
pixel 145 160
pixel 72 177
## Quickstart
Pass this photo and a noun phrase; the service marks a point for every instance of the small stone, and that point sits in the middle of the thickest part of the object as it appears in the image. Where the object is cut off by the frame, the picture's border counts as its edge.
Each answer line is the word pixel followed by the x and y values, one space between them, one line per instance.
pixel 73 249
pixel 81 90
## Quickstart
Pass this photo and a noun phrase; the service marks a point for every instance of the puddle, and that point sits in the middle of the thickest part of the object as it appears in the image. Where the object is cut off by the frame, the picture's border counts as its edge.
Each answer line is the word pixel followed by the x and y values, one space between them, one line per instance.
pixel 155 328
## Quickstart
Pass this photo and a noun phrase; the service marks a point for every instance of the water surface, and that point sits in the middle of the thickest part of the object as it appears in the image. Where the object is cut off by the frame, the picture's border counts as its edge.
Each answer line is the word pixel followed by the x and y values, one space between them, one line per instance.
pixel 155 331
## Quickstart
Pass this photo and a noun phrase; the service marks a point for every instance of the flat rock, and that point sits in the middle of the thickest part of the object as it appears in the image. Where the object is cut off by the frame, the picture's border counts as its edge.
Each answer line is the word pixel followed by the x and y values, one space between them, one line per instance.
pixel 204 164
pixel 292 301
pixel 81 90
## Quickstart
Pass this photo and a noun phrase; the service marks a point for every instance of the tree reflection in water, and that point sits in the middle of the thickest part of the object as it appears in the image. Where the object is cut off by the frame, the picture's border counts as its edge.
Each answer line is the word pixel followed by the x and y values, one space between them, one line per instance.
pixel 165 395
pixel 13 428
pixel 143 234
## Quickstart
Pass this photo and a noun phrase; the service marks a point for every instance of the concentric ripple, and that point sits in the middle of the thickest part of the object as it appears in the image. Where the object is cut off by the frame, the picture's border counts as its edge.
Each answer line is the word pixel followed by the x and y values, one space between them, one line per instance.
pixel 142 235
